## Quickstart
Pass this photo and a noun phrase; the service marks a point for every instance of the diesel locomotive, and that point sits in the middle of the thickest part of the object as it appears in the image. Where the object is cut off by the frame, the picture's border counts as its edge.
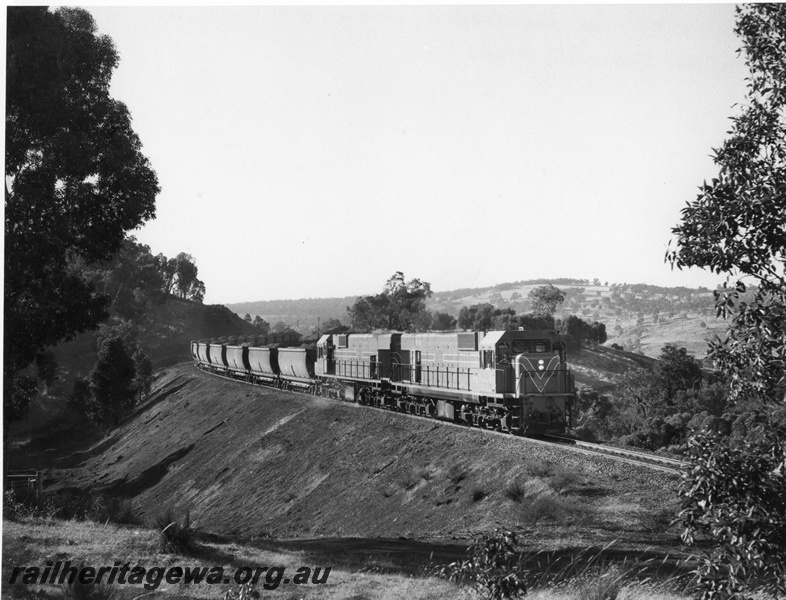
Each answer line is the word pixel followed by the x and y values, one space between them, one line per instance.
pixel 516 381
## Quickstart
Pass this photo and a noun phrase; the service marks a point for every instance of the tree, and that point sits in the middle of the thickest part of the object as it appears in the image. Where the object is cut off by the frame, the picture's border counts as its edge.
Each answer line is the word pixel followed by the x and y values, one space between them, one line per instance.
pixel 331 324
pixel 677 370
pixel 46 366
pixel 186 283
pixel 533 322
pixel 545 299
pixel 130 279
pixel 443 321
pixel 167 267
pixel 597 334
pixel 81 396
pixel 143 381
pixel 261 324
pixel 76 179
pixel 400 307
pixel 478 317
pixel 576 330
pixel 112 382
pixel 737 228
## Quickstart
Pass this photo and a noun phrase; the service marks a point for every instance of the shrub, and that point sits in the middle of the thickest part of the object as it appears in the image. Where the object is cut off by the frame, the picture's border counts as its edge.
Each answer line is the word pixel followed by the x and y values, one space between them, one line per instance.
pixel 458 473
pixel 659 520
pixel 175 535
pixel 493 567
pixel 514 491
pixel 539 468
pixel 89 591
pixel 561 479
pixel 601 587
pixel 69 505
pixel 478 494
pixel 551 507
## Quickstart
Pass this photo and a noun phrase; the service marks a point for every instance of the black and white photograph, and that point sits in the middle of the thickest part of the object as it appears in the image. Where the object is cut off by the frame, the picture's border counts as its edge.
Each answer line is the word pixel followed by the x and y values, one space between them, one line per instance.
pixel 394 301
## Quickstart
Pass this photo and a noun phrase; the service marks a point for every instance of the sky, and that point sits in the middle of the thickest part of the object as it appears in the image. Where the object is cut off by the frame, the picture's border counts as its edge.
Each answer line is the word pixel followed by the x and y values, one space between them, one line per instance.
pixel 313 151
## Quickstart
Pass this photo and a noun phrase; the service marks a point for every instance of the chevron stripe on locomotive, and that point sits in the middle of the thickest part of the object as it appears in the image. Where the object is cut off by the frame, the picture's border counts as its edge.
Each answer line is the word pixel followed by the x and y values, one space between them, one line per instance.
pixel 515 381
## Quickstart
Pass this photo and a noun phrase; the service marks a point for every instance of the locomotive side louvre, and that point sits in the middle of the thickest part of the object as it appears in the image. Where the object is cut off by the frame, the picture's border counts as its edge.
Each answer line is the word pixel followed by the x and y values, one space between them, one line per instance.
pixel 437 360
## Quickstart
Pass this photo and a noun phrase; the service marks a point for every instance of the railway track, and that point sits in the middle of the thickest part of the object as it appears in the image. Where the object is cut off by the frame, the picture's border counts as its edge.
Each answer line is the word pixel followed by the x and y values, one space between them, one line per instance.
pixel 652 461
pixel 640 459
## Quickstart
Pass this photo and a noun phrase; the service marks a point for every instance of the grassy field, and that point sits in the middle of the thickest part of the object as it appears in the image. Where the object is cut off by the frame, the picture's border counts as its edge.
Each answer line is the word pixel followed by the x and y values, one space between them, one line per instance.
pixel 277 479
pixel 32 541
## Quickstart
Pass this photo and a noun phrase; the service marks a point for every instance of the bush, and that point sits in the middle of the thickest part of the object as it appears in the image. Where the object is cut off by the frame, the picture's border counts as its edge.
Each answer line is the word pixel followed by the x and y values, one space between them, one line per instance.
pixel 734 492
pixel 551 507
pixel 493 567
pixel 601 587
pixel 540 469
pixel 175 535
pixel 70 505
pixel 478 494
pixel 658 521
pixel 561 479
pixel 89 591
pixel 458 473
pixel 515 491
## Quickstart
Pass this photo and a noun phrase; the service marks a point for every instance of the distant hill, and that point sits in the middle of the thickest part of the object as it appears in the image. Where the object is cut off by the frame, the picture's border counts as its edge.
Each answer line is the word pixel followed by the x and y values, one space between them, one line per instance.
pixel 300 314
pixel 641 318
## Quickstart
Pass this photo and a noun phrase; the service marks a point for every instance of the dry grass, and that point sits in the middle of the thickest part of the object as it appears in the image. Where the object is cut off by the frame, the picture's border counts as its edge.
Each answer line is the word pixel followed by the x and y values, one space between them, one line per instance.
pixel 33 541
pixel 584 576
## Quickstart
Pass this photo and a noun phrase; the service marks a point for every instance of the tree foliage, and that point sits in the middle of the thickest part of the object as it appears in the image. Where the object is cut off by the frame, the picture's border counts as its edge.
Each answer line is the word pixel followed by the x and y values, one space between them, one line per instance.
pixel 261 324
pixel 76 179
pixel 443 321
pixel 46 367
pixel 493 566
pixel 737 227
pixel 481 317
pixel 545 299
pixel 401 306
pixel 143 377
pixel 735 494
pixel 112 383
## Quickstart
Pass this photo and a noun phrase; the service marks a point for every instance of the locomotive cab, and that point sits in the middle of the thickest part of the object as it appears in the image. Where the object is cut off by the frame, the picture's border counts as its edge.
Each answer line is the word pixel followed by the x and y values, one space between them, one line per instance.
pixel 530 367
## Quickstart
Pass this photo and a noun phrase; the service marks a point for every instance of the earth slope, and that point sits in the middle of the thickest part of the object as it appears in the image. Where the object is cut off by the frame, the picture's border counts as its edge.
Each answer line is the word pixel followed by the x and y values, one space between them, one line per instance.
pixel 256 462
pixel 165 336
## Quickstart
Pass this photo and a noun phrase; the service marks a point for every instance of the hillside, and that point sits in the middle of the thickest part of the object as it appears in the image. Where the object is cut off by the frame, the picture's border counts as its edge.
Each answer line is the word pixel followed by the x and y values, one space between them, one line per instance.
pixel 165 336
pixel 257 462
pixel 641 318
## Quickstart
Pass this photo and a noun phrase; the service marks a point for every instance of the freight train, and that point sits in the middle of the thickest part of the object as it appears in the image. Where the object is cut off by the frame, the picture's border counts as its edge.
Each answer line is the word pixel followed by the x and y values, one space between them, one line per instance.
pixel 515 381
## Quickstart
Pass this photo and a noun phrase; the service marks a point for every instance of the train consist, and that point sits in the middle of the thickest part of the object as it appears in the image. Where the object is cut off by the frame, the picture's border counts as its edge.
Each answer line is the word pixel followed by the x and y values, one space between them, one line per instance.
pixel 516 381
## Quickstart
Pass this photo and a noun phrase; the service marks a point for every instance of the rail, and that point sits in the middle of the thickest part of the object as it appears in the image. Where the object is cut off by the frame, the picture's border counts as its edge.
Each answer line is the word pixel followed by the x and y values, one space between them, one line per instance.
pixel 639 459
pixel 661 463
